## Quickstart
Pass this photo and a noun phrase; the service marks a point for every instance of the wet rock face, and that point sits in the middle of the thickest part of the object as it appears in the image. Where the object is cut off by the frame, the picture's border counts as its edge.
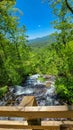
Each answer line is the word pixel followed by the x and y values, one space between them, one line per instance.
pixel 44 95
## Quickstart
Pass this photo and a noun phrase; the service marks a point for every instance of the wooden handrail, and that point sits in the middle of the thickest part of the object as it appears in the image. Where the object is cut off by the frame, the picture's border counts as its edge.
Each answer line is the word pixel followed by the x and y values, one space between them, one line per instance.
pixel 33 115
pixel 37 111
pixel 24 124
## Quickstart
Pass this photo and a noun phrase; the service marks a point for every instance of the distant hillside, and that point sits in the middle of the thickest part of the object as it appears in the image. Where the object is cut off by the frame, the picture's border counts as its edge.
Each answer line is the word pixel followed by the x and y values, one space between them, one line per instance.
pixel 43 41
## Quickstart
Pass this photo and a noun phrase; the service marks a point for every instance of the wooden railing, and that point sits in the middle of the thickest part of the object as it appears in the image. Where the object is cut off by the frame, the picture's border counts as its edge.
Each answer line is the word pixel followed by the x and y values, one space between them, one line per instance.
pixel 33 114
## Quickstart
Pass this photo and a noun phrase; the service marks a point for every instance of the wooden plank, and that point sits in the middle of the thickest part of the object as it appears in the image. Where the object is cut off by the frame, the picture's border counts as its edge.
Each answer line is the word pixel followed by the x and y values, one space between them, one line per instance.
pixel 13 129
pixel 56 123
pixel 37 112
pixel 28 101
pixel 66 127
pixel 44 125
pixel 63 125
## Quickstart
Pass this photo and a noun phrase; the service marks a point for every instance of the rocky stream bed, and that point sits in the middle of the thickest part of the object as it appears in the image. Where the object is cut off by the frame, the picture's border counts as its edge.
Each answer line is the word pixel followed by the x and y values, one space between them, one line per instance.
pixel 44 92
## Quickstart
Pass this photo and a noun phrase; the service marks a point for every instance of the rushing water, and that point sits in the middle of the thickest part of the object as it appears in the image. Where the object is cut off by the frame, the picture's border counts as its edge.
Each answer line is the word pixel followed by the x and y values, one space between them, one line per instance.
pixel 44 95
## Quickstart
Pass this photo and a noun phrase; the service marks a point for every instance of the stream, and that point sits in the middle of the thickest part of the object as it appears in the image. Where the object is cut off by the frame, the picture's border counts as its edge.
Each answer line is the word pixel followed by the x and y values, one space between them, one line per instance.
pixel 44 92
pixel 44 95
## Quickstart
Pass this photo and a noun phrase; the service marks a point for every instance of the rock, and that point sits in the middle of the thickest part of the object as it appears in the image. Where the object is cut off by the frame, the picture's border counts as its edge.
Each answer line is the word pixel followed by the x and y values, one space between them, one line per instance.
pixel 56 102
pixel 49 77
pixel 48 83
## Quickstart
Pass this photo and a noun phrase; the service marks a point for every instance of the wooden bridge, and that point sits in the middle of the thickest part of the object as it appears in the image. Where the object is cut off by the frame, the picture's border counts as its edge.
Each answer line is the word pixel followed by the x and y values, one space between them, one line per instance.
pixel 34 114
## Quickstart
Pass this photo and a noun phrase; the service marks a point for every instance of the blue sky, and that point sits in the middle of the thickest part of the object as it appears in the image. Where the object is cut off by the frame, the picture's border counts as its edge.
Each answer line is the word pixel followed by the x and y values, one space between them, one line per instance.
pixel 36 17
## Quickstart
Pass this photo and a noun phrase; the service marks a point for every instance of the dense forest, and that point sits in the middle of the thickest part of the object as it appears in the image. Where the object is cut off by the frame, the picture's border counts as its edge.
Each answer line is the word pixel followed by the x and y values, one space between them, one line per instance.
pixel 18 59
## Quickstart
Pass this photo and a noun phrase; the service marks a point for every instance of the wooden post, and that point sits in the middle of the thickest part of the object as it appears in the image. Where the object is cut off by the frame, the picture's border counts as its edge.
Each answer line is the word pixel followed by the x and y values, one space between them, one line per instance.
pixel 66 127
pixel 30 101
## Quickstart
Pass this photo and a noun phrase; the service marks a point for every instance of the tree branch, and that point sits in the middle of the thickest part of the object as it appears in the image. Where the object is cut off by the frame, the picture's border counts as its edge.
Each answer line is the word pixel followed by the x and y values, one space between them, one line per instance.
pixel 68 6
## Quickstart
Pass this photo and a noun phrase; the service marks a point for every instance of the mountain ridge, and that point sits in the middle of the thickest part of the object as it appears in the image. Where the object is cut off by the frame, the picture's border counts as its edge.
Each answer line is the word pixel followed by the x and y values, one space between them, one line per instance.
pixel 41 41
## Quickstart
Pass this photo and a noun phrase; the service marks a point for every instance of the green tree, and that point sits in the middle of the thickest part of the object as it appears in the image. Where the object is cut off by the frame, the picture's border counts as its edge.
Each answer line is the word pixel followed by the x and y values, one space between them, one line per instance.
pixel 68 3
pixel 13 50
pixel 63 22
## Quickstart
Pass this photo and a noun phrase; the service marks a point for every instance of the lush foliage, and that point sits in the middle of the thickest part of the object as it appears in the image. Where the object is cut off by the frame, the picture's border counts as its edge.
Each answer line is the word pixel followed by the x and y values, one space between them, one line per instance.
pixel 17 59
pixel 13 49
pixel 64 49
pixel 3 90
pixel 64 82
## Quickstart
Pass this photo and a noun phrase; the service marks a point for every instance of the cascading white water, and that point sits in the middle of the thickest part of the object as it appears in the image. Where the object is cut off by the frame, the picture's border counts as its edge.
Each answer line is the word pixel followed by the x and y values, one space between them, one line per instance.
pixel 44 95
